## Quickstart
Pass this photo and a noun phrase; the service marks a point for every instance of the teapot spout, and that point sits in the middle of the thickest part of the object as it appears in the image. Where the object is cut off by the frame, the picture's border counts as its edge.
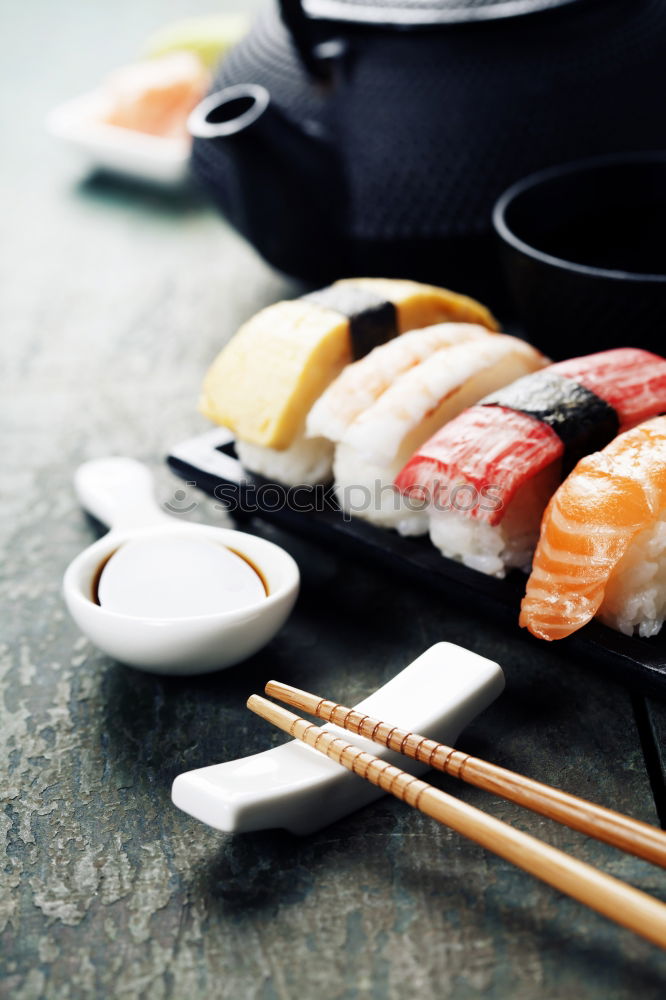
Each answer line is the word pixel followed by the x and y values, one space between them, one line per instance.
pixel 278 183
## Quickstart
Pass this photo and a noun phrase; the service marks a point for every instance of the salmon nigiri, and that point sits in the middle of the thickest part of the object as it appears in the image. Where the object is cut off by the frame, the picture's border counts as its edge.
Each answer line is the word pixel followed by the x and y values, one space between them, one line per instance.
pixel 602 549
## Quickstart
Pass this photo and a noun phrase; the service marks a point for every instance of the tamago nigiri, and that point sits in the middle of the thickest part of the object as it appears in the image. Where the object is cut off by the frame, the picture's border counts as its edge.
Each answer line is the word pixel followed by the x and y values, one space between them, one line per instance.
pixel 264 382
pixel 602 549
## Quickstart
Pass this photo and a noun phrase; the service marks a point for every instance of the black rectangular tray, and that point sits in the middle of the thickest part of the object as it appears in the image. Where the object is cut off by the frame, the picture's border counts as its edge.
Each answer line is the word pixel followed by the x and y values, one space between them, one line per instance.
pixel 209 463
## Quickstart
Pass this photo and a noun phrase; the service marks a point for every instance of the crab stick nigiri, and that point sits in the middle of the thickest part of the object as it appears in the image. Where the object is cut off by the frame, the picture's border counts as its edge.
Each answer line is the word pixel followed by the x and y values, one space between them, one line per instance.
pixel 487 476
pixel 602 549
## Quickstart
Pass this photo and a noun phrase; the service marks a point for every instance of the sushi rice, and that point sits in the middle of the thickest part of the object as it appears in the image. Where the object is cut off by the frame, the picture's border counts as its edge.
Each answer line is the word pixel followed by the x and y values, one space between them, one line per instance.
pixel 495 548
pixel 635 596
pixel 305 462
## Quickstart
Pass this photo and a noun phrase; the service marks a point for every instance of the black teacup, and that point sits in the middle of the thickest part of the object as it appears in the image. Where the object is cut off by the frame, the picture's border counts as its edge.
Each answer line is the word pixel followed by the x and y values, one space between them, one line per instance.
pixel 584 249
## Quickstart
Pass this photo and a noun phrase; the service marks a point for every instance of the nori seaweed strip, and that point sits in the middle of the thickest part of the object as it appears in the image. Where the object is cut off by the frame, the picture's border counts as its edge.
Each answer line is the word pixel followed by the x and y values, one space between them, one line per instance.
pixel 582 420
pixel 372 320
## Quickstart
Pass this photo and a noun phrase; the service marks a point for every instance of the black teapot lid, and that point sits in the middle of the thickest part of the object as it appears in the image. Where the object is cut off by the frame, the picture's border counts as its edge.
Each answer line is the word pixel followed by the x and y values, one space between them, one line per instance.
pixel 415 13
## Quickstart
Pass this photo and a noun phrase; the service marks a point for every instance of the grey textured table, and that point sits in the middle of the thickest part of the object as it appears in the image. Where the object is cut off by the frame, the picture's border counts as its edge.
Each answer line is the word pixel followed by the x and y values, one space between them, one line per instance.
pixel 114 300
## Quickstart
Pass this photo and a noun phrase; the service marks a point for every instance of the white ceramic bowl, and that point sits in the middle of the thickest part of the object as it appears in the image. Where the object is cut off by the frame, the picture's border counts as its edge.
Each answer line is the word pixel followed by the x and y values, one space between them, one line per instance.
pixel 117 491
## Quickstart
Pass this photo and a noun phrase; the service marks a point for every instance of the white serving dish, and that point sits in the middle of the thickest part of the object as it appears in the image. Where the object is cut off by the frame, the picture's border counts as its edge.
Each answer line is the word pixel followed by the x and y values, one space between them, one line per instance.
pixel 78 124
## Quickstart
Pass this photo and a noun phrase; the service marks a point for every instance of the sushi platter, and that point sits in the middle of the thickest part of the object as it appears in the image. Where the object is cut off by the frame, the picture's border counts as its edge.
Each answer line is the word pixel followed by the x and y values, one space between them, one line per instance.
pixel 209 463
pixel 395 419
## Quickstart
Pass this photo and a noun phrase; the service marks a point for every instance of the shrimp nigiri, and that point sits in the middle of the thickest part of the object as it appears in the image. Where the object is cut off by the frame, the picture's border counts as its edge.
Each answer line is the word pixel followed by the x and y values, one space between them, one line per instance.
pixel 384 406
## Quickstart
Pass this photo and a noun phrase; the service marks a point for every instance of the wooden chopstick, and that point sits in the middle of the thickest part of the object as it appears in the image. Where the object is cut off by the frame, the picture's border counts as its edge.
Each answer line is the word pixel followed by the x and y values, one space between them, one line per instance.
pixel 620 902
pixel 614 828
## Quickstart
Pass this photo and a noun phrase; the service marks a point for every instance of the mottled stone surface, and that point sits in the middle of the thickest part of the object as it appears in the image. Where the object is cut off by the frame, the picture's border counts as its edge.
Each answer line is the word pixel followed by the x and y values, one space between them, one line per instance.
pixel 114 300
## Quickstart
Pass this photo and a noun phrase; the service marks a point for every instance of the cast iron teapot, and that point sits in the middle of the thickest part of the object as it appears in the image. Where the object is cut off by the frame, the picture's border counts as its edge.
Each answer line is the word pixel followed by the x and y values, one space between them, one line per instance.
pixel 363 137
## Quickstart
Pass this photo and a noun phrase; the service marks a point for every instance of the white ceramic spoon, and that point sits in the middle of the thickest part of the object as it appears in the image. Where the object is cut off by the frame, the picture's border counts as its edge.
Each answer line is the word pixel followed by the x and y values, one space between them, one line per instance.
pixel 143 625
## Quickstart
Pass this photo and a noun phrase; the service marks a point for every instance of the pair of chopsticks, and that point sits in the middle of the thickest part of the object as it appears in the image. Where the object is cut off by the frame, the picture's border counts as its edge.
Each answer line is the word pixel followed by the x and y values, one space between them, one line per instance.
pixel 615 899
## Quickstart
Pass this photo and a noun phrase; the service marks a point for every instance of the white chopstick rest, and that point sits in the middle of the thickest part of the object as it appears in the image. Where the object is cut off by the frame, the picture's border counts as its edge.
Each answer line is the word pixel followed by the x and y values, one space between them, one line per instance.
pixel 295 788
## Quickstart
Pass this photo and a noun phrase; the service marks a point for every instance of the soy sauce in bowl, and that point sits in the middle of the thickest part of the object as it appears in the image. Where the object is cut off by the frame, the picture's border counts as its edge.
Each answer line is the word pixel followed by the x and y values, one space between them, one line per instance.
pixel 167 577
